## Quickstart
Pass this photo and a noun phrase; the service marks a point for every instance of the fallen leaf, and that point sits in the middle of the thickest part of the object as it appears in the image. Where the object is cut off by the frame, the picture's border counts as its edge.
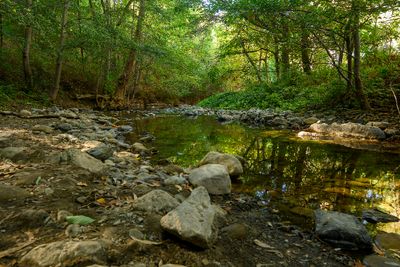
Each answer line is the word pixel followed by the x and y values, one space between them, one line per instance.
pixel 101 201
pixel 358 263
pixel 82 184
pixel 262 244
pixel 79 219
pixel 145 242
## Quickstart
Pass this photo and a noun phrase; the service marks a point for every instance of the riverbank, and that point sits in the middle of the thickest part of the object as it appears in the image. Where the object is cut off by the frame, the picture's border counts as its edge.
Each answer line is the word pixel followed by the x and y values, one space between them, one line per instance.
pixel 78 162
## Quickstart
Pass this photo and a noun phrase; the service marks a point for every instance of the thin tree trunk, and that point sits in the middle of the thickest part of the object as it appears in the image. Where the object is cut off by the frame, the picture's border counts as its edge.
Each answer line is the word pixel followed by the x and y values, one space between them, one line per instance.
pixel 285 53
pixel 349 55
pixel 277 61
pixel 266 65
pixel 81 49
pixel 27 50
pixel 129 70
pixel 59 61
pixel 1 31
pixel 358 86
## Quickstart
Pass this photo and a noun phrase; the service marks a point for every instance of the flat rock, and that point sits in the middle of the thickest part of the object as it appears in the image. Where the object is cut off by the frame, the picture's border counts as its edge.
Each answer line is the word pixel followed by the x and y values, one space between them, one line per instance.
pixel 64 127
pixel 341 230
pixel 42 128
pixel 214 177
pixel 350 130
pixel 139 148
pixel 101 152
pixel 388 241
pixel 376 216
pixel 83 160
pixel 14 153
pixel 193 220
pixel 379 261
pixel 25 113
pixel 380 124
pixel 9 193
pixel 233 165
pixel 66 253
pixel 175 180
pixel 310 120
pixel 156 201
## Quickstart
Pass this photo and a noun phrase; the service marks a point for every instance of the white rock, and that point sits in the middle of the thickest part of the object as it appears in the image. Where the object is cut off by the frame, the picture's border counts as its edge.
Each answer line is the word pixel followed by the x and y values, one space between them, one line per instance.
pixel 214 177
pixel 193 220
pixel 66 253
pixel 83 160
pixel 156 201
pixel 233 165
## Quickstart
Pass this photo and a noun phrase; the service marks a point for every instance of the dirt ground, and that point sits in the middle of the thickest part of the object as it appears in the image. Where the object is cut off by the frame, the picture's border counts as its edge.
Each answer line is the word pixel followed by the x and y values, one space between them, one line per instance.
pixel 251 234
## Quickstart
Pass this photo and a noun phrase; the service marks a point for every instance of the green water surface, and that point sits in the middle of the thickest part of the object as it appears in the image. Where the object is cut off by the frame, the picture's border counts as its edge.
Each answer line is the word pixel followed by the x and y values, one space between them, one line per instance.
pixel 287 173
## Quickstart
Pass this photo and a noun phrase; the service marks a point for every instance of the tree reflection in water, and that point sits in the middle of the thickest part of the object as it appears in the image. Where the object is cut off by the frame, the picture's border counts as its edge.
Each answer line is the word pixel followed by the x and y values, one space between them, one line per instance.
pixel 289 174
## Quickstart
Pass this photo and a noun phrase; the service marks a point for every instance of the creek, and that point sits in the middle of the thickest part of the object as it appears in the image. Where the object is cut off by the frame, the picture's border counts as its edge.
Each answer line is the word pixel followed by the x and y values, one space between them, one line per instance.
pixel 291 175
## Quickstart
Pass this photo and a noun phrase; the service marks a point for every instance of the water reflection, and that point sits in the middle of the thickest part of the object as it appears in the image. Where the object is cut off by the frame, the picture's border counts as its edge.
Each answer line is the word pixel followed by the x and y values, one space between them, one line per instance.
pixel 289 174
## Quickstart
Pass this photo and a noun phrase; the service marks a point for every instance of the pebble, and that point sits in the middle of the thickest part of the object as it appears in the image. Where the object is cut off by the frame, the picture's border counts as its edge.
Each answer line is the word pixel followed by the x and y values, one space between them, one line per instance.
pixel 73 230
pixel 62 215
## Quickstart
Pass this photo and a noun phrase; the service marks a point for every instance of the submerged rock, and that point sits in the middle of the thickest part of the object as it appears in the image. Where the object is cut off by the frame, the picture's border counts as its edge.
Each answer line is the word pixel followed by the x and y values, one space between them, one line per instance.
pixel 214 177
pixel 233 165
pixel 193 220
pixel 66 253
pixel 341 230
pixel 156 201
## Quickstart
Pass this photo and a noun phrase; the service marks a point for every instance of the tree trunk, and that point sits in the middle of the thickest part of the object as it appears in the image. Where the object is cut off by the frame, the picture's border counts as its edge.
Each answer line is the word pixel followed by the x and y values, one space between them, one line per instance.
pixel 277 61
pixel 1 31
pixel 305 51
pixel 266 65
pixel 27 50
pixel 285 73
pixel 59 61
pixel 349 55
pixel 357 60
pixel 129 70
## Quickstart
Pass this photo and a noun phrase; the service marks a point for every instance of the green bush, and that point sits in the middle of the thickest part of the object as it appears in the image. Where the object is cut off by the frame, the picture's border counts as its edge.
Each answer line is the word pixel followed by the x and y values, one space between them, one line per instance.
pixel 301 92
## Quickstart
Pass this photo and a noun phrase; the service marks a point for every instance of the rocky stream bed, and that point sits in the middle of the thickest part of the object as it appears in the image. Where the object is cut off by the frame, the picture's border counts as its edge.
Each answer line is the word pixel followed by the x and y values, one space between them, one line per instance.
pixel 74 192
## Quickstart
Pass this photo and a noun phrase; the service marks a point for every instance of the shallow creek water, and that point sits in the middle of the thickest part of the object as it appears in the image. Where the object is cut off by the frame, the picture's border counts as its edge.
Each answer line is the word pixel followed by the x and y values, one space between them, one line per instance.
pixel 284 172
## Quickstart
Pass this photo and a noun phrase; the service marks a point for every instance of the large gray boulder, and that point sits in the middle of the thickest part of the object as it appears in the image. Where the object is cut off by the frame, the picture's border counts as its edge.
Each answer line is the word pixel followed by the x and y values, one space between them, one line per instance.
pixel 229 161
pixel 82 160
pixel 214 177
pixel 341 230
pixel 193 220
pixel 156 201
pixel 66 253
pixel 350 129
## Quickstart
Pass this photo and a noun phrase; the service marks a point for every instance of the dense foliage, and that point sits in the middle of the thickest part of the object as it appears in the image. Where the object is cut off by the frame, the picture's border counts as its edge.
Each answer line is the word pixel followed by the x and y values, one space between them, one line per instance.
pixel 287 54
